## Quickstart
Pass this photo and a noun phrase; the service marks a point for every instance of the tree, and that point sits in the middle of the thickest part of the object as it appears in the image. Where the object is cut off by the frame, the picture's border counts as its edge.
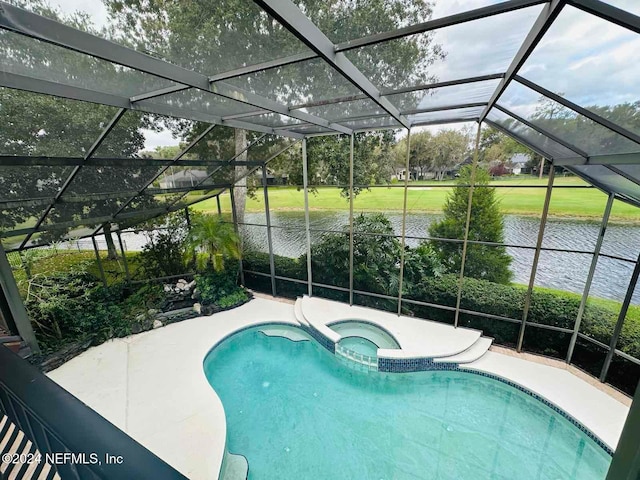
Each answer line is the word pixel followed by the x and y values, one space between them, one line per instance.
pixel 216 239
pixel 449 148
pixel 421 152
pixel 497 149
pixel 486 225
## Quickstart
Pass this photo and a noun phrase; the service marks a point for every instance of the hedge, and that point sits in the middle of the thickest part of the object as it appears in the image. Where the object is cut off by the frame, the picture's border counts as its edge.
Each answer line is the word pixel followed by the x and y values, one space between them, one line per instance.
pixel 548 307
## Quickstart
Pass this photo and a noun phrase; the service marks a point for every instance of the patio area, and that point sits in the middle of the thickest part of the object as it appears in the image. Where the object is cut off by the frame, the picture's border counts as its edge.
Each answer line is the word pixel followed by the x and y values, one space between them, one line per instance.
pixel 153 386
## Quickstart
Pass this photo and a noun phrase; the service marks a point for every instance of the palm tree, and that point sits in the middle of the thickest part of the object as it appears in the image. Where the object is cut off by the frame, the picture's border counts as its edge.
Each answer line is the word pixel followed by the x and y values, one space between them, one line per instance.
pixel 216 239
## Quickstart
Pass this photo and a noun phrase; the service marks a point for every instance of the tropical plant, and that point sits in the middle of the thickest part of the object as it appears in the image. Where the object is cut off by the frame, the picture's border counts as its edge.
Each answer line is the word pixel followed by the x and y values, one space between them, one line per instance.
pixel 215 239
pixel 486 225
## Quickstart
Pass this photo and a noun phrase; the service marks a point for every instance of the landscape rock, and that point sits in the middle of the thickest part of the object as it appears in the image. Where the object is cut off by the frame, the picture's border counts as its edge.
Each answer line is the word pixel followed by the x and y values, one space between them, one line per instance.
pixel 157 324
pixel 197 308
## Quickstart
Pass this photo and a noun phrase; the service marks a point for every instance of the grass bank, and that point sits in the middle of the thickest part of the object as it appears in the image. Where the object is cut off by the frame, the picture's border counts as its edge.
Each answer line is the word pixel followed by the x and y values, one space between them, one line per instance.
pixel 518 195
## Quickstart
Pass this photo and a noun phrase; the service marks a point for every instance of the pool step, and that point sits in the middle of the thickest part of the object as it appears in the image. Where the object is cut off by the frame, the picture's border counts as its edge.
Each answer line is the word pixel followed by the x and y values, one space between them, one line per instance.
pixel 471 354
pixel 297 309
pixel 318 327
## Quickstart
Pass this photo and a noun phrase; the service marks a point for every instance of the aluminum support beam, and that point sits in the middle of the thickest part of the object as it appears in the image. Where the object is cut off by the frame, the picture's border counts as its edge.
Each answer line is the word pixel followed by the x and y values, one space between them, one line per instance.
pixel 36 85
pixel 272 267
pixel 581 110
pixel 548 14
pixel 261 67
pixel 592 271
pixel 438 23
pixel 536 258
pixel 351 141
pixel 445 108
pixel 174 161
pixel 624 174
pixel 218 205
pixel 290 16
pixel 474 169
pixel 385 92
pixel 404 219
pixel 201 184
pixel 75 171
pixel 125 263
pixel 626 460
pixel 99 261
pixel 544 132
pixel 23 161
pixel 620 322
pixel 444 122
pixel 609 12
pixel 244 96
pixel 158 93
pixel 449 83
pixel 305 182
pixel 17 311
pixel 519 139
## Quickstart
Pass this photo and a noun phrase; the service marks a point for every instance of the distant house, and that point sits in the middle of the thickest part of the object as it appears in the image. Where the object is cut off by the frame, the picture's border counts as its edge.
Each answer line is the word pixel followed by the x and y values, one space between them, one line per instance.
pixel 519 162
pixel 273 179
pixel 400 174
pixel 183 178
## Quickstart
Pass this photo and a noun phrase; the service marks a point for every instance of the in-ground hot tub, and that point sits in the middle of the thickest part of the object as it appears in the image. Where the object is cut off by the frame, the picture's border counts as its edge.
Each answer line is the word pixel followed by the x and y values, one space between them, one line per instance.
pixel 360 342
pixel 352 330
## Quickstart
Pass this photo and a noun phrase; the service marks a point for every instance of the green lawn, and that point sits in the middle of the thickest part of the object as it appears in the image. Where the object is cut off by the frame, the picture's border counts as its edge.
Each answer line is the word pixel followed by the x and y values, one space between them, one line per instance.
pixel 582 203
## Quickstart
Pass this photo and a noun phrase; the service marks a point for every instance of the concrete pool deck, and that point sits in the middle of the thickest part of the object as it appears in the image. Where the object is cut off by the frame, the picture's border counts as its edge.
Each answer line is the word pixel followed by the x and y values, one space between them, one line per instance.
pixel 152 386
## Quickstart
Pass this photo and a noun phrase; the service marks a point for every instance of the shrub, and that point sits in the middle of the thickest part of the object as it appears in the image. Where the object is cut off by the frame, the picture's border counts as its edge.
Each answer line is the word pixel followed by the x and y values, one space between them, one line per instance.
pixel 163 255
pixel 375 256
pixel 233 299
pixel 68 307
pixel 216 285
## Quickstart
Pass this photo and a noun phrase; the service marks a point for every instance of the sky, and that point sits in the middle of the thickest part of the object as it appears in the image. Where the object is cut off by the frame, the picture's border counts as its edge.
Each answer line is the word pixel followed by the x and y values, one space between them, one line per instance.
pixel 585 58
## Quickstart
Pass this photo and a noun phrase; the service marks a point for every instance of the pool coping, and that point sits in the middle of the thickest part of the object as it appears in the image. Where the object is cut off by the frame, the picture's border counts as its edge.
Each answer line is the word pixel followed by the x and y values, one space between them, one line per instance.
pixel 190 341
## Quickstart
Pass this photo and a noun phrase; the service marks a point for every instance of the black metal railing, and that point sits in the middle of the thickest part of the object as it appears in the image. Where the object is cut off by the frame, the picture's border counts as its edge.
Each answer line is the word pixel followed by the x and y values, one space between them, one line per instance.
pixel 73 439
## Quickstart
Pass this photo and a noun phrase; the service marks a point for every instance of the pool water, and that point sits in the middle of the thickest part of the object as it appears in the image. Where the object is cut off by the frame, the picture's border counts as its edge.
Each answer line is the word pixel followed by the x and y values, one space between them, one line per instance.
pixel 360 345
pixel 295 412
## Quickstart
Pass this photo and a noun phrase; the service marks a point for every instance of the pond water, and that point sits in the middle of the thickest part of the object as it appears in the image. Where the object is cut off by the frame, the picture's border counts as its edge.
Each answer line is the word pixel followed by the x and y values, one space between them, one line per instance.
pixel 561 270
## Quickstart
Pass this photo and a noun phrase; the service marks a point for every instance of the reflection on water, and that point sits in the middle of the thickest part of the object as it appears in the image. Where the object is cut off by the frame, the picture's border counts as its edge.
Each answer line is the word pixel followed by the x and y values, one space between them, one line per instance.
pixel 561 270
pixel 566 271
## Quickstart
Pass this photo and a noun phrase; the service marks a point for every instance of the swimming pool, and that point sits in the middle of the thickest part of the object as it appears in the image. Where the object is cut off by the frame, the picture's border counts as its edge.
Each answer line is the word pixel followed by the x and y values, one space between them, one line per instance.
pixel 295 412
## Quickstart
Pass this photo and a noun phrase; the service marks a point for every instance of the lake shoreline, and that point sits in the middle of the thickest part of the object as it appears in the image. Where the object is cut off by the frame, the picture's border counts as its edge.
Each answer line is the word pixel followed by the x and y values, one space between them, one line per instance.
pixel 620 221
